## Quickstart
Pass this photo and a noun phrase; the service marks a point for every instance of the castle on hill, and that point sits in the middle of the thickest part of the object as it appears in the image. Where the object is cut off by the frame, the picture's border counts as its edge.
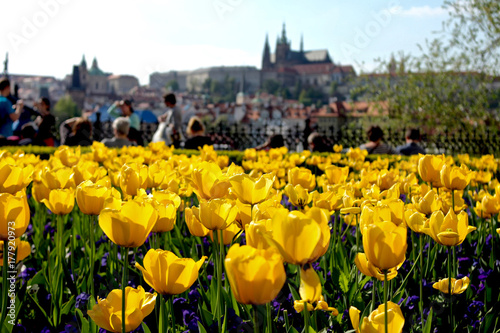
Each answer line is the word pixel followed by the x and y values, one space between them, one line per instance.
pixel 314 68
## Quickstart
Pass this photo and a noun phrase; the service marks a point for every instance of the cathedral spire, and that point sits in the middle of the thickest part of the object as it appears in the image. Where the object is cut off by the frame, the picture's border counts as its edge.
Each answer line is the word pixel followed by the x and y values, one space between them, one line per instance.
pixel 283 35
pixel 301 43
pixel 84 62
pixel 266 57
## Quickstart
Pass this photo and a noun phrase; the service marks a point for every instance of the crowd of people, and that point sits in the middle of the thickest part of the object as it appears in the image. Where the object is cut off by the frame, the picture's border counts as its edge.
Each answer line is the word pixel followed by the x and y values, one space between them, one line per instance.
pixel 21 125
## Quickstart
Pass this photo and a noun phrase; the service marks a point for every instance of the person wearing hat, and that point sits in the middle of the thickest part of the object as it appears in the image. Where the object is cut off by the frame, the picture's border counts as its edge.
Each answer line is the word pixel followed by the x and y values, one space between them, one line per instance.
pixel 126 110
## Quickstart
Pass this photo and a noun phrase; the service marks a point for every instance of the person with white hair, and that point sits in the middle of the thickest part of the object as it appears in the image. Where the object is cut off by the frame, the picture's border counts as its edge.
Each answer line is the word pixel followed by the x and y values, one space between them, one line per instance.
pixel 121 126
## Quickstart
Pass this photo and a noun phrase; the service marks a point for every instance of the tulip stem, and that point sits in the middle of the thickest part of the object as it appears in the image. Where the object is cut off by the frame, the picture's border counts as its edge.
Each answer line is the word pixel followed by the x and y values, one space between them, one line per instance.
pixel 385 300
pixel 255 319
pixel 60 239
pixel 92 255
pixel 449 290
pixel 357 249
pixel 372 305
pixel 4 282
pixel 268 317
pixel 171 311
pixel 124 282
pixel 421 261
pixel 306 317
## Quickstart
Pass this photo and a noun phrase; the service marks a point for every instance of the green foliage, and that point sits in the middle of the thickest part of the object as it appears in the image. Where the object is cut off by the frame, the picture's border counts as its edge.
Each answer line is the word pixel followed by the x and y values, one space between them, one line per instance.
pixel 224 91
pixel 448 87
pixel 65 108
pixel 311 95
pixel 172 85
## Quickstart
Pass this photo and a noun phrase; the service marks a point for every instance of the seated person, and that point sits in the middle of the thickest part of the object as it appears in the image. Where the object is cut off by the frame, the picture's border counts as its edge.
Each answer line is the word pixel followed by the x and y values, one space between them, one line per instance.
pixel 411 147
pixel 121 127
pixel 124 108
pixel 275 141
pixel 375 144
pixel 28 133
pixel 81 132
pixel 317 143
pixel 195 132
pixel 45 122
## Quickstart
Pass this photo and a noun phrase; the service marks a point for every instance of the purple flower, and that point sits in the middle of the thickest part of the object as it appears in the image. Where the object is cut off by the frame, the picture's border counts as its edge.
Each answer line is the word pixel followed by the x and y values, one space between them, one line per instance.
pixel 82 300
pixel 411 302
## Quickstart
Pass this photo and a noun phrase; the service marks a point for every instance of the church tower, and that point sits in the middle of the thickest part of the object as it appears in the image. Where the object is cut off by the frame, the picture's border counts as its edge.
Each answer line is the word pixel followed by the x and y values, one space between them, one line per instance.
pixel 282 48
pixel 266 57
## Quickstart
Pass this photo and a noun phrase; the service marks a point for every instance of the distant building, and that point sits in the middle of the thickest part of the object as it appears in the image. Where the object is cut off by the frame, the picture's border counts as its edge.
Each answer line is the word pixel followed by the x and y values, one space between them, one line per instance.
pixel 314 68
pixel 122 84
pixel 90 86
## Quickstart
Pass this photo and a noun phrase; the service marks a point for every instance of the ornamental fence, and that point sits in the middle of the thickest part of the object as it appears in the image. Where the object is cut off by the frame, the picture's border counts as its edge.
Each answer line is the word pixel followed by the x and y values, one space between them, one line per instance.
pixel 243 136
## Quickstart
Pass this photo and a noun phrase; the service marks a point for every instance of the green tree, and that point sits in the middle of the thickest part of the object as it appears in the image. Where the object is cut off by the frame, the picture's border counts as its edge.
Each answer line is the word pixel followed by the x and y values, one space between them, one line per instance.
pixel 172 85
pixel 271 86
pixel 65 108
pixel 448 87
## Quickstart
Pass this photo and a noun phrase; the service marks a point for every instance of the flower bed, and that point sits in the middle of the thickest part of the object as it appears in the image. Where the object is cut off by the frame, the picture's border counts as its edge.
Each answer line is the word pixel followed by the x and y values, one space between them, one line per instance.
pixel 275 242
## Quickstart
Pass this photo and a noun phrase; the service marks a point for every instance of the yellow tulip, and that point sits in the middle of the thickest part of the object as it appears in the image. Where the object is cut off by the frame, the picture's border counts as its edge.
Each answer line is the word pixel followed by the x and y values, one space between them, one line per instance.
pixel 331 199
pixel 167 215
pixel 366 268
pixel 14 178
pixel 250 190
pixel 68 156
pixel 168 274
pixel 375 322
pixel 256 276
pixel 310 285
pixel 373 214
pixel 458 286
pixel 88 170
pixel 227 234
pixel 447 202
pixel 14 214
pixel 39 191
pixel 23 249
pixel 298 196
pixel 449 230
pixel 310 293
pixel 107 313
pixel 167 197
pixel 58 178
pixel 482 176
pixel 385 244
pixel 100 151
pixel 415 220
pixel 455 178
pixel 396 208
pixel 427 204
pixel 303 177
pixel 130 225
pixel 254 234
pixel 193 223
pixel 336 175
pixel 354 316
pixel 429 168
pixel 386 179
pixel 208 181
pixel 488 206
pixel 60 201
pixel 300 237
pixel 133 176
pixel 244 216
pixel 90 197
pixel 217 214
pixel 498 231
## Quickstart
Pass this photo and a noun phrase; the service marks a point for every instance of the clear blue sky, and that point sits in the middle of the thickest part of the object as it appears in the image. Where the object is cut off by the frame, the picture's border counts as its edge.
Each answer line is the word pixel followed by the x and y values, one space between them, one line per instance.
pixel 48 37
